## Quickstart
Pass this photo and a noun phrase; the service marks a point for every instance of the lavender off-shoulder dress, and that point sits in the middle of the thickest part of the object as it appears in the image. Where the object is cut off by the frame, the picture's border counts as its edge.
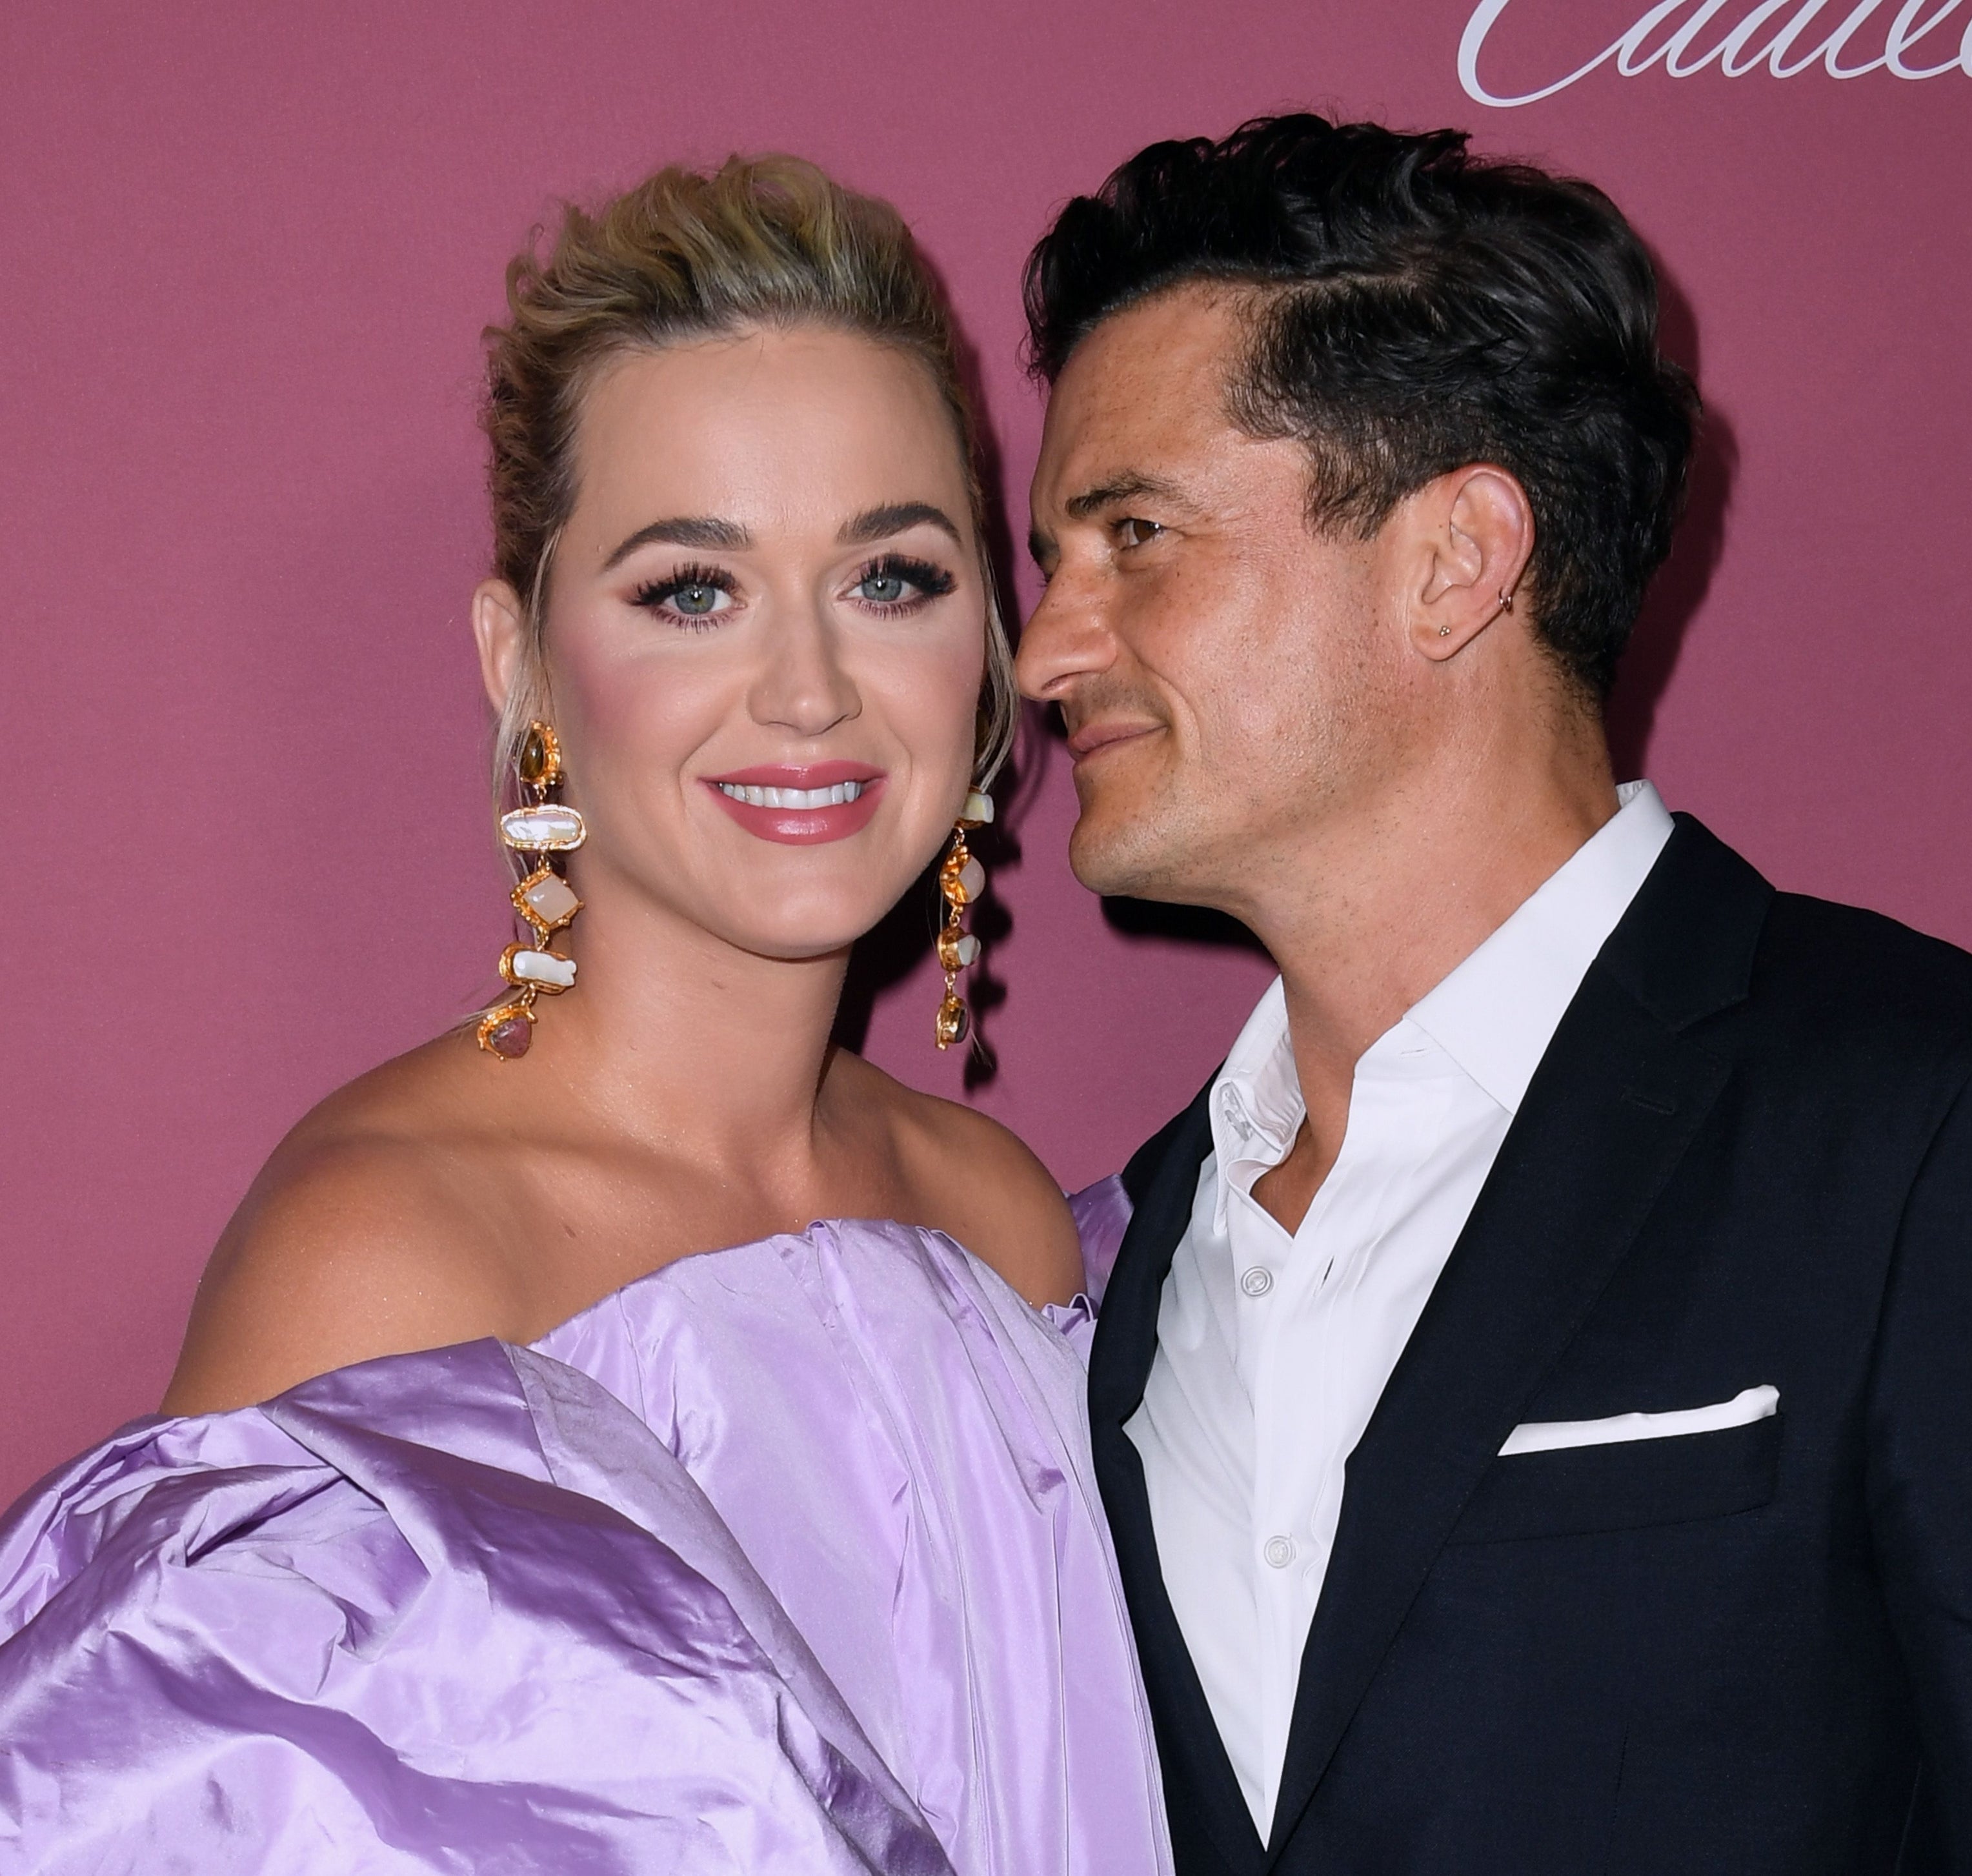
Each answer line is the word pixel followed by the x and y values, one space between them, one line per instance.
pixel 785 1558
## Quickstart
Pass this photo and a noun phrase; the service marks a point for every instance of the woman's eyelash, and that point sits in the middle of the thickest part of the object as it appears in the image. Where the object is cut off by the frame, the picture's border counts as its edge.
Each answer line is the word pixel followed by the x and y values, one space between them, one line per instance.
pixel 656 595
pixel 923 579
pixel 933 582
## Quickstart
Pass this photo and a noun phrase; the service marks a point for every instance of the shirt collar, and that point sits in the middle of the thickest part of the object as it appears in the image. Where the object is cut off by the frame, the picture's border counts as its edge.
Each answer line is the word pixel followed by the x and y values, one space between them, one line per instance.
pixel 1261 1068
pixel 1493 1015
pixel 1255 1105
pixel 1497 1012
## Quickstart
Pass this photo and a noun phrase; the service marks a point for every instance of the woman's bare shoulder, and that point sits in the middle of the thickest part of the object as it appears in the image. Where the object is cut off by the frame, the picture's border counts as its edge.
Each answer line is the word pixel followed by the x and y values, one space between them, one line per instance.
pixel 363 1235
pixel 983 1185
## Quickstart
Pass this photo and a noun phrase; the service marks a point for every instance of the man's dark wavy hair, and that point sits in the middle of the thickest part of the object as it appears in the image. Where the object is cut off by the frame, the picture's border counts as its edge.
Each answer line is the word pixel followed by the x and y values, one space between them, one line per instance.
pixel 1420 308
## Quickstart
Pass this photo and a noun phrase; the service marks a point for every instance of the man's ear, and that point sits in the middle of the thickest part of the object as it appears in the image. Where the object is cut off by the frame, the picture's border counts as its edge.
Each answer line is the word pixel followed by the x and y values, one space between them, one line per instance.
pixel 499 627
pixel 1477 533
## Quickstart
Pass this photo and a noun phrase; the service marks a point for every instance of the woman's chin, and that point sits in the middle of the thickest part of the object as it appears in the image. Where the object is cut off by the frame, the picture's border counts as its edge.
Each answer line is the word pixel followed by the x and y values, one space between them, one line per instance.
pixel 797 939
pixel 768 913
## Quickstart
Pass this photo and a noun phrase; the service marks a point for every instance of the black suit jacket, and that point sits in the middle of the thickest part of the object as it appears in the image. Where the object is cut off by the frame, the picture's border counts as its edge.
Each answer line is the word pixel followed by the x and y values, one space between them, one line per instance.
pixel 1746 1159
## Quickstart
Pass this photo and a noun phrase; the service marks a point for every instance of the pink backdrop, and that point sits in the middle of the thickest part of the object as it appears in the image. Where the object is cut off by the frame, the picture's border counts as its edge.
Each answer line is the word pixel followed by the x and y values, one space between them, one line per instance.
pixel 249 249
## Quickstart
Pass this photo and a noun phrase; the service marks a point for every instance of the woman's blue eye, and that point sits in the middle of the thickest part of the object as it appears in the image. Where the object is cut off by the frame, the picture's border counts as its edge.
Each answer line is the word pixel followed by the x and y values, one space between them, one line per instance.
pixel 901 583
pixel 694 594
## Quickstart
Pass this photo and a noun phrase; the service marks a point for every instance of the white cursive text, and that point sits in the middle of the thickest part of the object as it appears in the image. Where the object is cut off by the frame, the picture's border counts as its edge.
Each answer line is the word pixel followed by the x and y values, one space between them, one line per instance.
pixel 1761 37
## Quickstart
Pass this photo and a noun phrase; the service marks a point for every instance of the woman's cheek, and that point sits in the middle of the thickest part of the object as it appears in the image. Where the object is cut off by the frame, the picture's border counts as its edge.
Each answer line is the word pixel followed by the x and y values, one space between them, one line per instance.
pixel 633 709
pixel 589 707
pixel 934 701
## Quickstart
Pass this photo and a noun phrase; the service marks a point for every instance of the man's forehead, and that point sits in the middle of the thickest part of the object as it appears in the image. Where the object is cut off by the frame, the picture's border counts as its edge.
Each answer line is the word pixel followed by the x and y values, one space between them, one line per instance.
pixel 1195 321
pixel 1129 484
pixel 1168 451
pixel 1149 381
pixel 1107 469
pixel 1200 329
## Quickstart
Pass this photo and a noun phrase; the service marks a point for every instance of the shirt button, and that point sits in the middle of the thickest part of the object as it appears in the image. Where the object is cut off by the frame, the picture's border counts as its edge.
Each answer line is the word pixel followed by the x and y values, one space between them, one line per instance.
pixel 1278 1552
pixel 1257 1281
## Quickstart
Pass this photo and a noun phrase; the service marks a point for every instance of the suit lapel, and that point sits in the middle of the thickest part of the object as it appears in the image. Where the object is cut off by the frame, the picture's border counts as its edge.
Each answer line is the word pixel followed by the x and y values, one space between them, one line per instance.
pixel 1162 1181
pixel 1611 1111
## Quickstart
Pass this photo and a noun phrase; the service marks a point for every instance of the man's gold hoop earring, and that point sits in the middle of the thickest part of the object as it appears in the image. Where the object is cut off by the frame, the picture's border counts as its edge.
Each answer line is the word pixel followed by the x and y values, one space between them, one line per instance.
pixel 542 829
pixel 1506 606
pixel 962 879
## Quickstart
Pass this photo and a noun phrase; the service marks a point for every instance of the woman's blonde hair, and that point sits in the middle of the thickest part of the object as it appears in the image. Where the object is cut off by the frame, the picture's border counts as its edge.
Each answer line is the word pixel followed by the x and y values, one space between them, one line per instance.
pixel 762 240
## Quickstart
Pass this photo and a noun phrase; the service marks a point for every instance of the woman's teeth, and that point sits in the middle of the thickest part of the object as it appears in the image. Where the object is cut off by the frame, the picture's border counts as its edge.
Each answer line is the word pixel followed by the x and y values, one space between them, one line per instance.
pixel 793 797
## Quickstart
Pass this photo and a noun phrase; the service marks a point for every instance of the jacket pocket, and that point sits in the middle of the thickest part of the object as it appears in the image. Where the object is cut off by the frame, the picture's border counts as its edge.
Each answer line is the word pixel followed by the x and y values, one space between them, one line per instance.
pixel 1625 1485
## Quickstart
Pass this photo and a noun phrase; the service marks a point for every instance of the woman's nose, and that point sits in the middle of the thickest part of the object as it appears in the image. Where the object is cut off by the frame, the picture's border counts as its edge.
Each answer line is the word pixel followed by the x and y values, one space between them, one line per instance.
pixel 802 684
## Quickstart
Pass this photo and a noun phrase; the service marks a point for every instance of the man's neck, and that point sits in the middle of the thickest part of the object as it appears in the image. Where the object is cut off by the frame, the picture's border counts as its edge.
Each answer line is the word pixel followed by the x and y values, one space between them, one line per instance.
pixel 1378 910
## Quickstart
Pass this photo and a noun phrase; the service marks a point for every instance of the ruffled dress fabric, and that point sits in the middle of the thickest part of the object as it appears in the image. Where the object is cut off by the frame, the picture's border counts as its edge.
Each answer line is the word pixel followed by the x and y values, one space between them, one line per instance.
pixel 785 1558
pixel 1102 1214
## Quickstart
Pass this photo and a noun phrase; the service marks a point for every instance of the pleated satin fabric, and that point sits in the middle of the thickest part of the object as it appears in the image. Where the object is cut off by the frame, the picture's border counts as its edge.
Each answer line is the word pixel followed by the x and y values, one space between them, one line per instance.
pixel 785 1558
pixel 1102 1213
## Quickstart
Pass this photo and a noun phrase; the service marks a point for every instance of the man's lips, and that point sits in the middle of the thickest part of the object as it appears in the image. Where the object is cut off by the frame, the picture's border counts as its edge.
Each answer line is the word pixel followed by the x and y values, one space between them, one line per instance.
pixel 800 804
pixel 1089 738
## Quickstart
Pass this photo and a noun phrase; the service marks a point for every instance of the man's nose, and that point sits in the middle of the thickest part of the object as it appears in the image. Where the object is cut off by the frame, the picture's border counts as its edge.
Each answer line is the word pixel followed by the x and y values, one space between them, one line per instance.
pixel 1066 637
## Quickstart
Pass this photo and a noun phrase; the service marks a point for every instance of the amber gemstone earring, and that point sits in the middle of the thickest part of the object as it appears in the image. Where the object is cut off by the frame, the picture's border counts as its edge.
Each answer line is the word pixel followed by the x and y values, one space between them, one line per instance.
pixel 542 829
pixel 962 879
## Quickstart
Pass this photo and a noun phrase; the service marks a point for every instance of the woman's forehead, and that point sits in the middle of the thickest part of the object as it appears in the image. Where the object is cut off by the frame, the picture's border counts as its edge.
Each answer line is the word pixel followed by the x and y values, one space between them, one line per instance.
pixel 770 429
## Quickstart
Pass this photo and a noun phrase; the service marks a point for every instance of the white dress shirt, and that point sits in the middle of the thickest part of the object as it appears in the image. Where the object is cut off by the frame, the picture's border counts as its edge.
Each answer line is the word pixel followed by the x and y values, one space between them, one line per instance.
pixel 1274 1348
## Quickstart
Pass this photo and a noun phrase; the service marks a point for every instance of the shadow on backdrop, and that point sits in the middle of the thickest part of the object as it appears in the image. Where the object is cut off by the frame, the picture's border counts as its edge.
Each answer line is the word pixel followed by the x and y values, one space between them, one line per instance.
pixel 1679 588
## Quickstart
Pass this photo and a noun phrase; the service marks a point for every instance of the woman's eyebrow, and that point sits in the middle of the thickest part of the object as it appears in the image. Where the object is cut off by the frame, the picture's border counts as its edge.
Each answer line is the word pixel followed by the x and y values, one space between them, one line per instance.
pixel 685 531
pixel 893 518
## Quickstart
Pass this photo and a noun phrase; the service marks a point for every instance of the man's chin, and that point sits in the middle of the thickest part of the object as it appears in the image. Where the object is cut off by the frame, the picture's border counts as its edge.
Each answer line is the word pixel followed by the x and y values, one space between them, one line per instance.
pixel 1117 862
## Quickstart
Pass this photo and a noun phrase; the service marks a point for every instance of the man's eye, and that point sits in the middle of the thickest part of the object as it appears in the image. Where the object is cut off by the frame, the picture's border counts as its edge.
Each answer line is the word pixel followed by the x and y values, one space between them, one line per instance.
pixel 1133 531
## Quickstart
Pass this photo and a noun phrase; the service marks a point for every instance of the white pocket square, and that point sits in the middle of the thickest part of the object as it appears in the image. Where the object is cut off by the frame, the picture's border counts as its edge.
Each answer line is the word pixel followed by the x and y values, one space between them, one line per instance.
pixel 1753 1403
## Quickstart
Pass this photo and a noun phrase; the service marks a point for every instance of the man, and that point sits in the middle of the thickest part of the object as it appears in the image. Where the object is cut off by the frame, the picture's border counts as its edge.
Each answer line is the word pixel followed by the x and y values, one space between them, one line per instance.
pixel 1530 1398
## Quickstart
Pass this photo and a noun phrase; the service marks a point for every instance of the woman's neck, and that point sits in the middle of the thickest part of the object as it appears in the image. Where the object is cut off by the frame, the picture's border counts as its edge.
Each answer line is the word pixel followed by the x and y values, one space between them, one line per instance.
pixel 680 1042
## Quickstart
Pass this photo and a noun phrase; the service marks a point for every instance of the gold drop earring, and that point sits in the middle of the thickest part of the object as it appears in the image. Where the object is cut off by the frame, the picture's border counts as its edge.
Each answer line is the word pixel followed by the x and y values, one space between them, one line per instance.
pixel 962 879
pixel 547 902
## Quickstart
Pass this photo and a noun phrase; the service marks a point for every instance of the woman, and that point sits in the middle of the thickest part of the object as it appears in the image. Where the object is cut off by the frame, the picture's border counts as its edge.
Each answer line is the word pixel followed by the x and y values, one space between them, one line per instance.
pixel 566 1538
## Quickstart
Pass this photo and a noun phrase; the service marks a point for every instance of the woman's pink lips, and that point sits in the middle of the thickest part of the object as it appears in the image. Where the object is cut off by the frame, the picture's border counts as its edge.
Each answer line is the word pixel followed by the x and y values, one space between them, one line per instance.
pixel 800 774
pixel 802 827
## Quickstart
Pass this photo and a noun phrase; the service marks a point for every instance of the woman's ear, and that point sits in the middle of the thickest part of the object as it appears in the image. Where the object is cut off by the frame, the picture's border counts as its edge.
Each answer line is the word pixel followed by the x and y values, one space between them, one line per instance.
pixel 499 626
pixel 1480 535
